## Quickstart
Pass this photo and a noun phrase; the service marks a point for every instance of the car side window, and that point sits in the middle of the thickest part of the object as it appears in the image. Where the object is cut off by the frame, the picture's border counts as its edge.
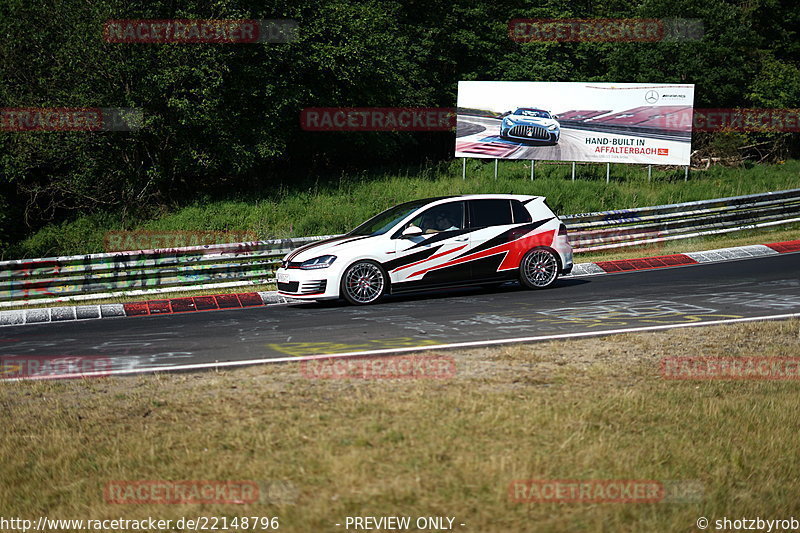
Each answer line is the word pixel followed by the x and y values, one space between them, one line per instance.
pixel 521 214
pixel 484 213
pixel 444 217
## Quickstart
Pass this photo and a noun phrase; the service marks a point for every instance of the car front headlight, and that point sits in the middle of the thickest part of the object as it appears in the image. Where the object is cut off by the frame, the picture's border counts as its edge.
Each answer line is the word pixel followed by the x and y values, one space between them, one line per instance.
pixel 323 261
pixel 506 122
pixel 552 127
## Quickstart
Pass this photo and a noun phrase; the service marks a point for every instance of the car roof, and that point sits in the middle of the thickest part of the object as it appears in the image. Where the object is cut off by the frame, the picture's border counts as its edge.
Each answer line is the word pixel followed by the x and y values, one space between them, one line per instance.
pixel 487 196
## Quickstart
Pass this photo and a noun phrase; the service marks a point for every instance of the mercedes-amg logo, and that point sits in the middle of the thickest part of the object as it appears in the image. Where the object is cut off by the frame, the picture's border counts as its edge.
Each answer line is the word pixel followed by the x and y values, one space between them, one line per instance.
pixel 651 97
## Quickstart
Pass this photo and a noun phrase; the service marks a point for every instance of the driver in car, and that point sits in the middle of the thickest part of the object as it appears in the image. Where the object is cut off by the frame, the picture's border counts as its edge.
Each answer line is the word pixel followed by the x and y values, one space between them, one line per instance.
pixel 443 223
pixel 437 222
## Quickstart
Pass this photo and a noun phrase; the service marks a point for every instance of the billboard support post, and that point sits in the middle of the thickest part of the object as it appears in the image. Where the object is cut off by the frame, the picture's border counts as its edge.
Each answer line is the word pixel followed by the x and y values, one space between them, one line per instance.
pixel 686 174
pixel 573 171
pixel 463 168
pixel 495 168
pixel 649 173
pixel 608 172
pixel 533 164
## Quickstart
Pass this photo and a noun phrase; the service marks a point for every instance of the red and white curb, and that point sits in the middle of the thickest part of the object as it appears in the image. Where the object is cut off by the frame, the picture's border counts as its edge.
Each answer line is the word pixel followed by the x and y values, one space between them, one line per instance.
pixel 145 308
pixel 258 299
pixel 689 258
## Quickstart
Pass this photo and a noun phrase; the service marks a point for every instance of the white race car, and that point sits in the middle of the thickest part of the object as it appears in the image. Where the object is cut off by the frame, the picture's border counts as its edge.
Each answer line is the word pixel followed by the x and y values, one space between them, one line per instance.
pixel 482 239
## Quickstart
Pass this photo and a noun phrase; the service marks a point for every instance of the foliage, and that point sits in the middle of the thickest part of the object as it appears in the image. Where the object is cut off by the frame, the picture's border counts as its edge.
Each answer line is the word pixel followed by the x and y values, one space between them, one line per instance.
pixel 222 117
pixel 333 207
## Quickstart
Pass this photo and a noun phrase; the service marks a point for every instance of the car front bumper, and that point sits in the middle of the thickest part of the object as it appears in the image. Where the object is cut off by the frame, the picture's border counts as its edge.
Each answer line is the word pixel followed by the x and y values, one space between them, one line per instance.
pixel 530 133
pixel 318 284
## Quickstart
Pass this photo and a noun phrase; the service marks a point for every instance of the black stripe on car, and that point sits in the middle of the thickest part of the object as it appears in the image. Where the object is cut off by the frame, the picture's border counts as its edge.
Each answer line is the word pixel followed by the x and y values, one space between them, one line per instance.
pixel 411 258
pixel 444 235
pixel 461 275
pixel 314 245
pixel 353 239
pixel 509 235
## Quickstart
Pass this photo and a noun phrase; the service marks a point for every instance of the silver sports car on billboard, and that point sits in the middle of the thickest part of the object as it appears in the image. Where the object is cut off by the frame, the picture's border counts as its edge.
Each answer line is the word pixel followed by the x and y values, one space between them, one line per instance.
pixel 530 124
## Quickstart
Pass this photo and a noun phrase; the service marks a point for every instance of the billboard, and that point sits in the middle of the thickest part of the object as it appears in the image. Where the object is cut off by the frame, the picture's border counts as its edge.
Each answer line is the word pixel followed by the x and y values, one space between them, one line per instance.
pixel 644 123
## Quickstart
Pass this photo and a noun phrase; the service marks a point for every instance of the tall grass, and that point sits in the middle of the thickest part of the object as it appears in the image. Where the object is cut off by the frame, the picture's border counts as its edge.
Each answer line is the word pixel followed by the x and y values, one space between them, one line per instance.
pixel 589 409
pixel 334 204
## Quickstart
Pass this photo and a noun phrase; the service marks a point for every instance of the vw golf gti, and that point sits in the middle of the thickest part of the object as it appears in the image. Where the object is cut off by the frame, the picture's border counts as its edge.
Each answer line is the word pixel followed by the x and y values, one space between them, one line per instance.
pixel 434 243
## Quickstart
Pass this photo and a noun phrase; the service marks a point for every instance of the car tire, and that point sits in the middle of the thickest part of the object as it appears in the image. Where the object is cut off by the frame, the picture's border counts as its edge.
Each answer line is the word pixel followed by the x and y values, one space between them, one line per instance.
pixel 363 283
pixel 539 268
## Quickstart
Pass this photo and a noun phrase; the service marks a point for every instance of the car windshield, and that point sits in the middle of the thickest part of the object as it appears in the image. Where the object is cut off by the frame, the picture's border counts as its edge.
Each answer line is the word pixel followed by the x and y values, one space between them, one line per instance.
pixel 383 222
pixel 532 113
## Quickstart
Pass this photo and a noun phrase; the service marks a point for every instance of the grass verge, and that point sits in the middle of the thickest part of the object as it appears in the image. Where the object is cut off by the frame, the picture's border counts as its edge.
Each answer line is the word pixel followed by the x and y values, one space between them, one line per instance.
pixel 584 409
pixel 332 205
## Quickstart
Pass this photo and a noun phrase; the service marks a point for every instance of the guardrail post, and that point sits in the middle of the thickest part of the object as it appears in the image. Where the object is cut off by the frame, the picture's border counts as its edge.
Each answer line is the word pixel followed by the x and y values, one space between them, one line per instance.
pixel 608 172
pixel 649 173
pixel 495 168
pixel 464 168
pixel 533 164
pixel 573 171
pixel 686 174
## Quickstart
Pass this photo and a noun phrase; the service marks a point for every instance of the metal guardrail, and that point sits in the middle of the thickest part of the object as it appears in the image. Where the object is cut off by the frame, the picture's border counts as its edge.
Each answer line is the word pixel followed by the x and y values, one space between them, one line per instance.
pixel 643 225
pixel 106 275
pixel 99 276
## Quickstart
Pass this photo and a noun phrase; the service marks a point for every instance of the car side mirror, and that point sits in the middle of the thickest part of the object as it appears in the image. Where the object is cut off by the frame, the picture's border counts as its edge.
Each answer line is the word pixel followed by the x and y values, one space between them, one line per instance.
pixel 412 231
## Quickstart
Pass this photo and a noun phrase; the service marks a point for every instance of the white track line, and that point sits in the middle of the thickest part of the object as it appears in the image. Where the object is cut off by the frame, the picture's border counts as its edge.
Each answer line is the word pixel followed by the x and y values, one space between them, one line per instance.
pixel 388 351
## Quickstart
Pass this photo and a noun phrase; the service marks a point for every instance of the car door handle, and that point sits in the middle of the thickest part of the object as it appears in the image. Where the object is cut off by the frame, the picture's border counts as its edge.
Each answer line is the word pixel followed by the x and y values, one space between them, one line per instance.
pixel 462 239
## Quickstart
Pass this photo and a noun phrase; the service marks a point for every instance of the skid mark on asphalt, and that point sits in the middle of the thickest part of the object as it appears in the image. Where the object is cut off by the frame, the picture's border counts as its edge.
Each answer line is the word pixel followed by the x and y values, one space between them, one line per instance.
pixel 492 319
pixel 418 325
pixel 757 300
pixel 605 313
pixel 299 349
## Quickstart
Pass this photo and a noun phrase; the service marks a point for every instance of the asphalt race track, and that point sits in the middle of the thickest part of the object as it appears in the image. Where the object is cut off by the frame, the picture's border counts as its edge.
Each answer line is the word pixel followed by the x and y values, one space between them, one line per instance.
pixel 685 295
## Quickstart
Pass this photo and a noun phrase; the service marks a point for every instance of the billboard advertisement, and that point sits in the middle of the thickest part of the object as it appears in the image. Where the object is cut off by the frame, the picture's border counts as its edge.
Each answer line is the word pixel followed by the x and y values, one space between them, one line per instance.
pixel 643 123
